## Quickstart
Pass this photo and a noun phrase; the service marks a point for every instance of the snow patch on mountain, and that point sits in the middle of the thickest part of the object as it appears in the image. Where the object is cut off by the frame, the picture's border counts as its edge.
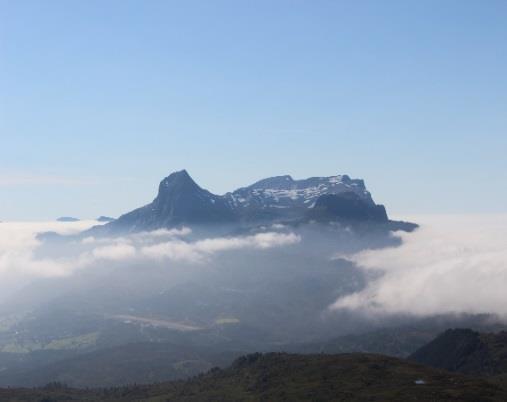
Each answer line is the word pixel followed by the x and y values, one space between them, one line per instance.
pixel 285 192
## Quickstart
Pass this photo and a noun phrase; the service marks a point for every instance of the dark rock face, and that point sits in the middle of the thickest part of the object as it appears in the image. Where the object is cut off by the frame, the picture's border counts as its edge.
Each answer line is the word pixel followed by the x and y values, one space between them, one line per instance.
pixel 347 206
pixel 181 201
pixel 466 351
pixel 283 193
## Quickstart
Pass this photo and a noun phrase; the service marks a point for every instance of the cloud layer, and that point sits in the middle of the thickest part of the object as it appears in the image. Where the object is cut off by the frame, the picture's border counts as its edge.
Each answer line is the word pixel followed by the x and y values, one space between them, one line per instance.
pixel 200 250
pixel 452 264
pixel 19 248
pixel 18 244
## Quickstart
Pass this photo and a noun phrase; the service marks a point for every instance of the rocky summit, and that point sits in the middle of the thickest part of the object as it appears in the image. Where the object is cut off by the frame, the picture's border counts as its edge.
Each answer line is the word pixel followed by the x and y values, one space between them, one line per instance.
pixel 180 200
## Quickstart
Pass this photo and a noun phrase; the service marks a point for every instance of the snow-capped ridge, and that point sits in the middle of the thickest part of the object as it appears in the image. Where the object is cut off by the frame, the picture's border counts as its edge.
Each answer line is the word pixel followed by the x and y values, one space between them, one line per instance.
pixel 180 200
pixel 285 192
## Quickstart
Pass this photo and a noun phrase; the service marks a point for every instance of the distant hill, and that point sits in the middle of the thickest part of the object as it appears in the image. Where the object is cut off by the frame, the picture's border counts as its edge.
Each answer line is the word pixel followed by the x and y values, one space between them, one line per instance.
pixel 131 363
pixel 126 354
pixel 105 219
pixel 286 377
pixel 466 351
pixel 67 219
pixel 397 342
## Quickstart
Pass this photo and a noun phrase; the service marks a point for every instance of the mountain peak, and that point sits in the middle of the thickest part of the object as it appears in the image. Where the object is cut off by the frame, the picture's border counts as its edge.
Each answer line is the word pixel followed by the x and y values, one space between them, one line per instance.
pixel 180 200
pixel 180 173
pixel 179 181
pixel 178 176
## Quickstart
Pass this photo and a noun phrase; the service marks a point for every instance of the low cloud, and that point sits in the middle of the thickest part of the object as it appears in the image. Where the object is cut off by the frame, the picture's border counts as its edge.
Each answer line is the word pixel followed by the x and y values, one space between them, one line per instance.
pixel 20 257
pixel 452 264
pixel 200 250
pixel 115 252
pixel 18 243
pixel 141 237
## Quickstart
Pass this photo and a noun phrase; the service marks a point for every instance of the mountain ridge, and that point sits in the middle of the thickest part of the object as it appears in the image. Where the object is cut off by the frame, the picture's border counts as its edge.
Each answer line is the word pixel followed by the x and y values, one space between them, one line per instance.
pixel 180 200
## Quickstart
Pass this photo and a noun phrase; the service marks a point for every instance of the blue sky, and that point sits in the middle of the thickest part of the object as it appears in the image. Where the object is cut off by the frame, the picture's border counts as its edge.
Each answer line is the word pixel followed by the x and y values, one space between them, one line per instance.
pixel 99 100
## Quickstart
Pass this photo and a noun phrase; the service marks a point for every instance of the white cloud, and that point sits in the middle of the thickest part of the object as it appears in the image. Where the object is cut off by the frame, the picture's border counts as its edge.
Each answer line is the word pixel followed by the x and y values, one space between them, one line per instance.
pixel 176 232
pixel 451 264
pixel 18 241
pixel 175 250
pixel 115 252
pixel 19 246
pixel 199 250
pixel 140 237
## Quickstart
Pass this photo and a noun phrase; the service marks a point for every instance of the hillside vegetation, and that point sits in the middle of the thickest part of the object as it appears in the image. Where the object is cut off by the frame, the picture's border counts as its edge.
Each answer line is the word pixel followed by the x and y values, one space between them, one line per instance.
pixel 287 377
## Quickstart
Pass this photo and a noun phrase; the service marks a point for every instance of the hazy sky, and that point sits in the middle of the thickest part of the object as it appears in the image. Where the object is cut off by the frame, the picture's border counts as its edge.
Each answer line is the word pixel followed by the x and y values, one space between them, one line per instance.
pixel 101 99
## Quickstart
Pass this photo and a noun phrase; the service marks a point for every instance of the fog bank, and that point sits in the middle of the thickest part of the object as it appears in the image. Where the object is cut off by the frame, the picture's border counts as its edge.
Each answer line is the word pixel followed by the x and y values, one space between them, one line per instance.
pixel 451 264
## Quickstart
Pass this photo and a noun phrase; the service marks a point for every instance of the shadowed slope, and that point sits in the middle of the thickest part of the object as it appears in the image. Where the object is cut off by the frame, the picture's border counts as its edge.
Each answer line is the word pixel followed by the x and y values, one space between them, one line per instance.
pixel 466 351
